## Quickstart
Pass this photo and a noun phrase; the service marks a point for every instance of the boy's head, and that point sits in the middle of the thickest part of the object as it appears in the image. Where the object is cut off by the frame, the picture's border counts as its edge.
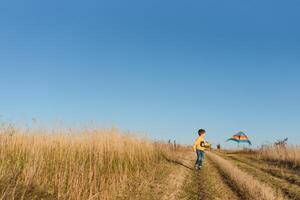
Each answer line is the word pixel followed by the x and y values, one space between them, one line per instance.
pixel 201 132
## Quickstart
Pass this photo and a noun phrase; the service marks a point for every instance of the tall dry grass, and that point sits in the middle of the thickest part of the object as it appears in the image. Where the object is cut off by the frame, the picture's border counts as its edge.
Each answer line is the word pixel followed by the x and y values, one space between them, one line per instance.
pixel 284 154
pixel 98 164
pixel 247 184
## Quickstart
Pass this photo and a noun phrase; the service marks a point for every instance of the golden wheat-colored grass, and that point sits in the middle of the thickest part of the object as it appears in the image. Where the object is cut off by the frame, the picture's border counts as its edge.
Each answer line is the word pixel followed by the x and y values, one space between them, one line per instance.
pixel 247 184
pixel 98 164
pixel 284 154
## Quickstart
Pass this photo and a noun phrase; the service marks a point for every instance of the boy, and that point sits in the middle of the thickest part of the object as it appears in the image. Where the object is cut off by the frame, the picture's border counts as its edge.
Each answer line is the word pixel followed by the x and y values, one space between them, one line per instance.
pixel 199 147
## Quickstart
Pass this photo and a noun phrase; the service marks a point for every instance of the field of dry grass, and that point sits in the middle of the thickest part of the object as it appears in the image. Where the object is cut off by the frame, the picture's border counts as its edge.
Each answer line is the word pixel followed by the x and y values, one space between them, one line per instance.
pixel 284 154
pixel 106 164
pixel 288 155
pixel 92 164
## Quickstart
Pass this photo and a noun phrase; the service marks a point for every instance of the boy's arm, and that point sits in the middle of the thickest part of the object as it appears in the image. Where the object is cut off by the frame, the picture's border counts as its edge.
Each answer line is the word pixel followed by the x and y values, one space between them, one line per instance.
pixel 194 147
pixel 196 143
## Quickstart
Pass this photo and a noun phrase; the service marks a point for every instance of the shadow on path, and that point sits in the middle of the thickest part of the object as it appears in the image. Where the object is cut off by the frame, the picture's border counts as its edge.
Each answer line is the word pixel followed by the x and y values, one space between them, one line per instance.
pixel 179 163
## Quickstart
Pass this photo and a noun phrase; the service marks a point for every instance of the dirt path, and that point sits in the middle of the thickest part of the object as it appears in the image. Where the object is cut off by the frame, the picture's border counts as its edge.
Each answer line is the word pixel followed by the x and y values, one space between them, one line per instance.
pixel 166 183
pixel 181 169
pixel 207 184
pixel 178 180
pixel 215 185
pixel 277 171
pixel 268 176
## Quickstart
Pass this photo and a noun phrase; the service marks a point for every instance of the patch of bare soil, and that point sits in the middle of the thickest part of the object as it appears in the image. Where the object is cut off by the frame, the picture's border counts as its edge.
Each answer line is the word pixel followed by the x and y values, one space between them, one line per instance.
pixel 181 168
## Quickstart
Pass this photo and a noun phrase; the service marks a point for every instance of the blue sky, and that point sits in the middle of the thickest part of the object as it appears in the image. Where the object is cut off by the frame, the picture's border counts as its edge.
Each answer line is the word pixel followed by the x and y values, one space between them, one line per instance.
pixel 165 68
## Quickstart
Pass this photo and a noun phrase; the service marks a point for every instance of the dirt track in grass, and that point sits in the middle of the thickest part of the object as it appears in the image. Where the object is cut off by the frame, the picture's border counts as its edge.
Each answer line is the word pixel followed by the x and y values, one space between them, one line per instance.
pixel 280 178
pixel 177 179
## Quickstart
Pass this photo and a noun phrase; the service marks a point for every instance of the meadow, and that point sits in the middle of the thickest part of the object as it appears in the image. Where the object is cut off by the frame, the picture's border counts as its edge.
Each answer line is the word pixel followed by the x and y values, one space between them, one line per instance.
pixel 86 164
pixel 287 155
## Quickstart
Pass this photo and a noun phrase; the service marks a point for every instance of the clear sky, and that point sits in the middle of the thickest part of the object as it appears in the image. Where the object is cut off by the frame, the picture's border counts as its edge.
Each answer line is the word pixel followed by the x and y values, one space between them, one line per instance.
pixel 162 67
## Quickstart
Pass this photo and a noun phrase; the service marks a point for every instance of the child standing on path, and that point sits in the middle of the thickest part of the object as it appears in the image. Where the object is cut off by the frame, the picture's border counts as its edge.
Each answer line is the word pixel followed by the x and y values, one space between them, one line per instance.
pixel 199 147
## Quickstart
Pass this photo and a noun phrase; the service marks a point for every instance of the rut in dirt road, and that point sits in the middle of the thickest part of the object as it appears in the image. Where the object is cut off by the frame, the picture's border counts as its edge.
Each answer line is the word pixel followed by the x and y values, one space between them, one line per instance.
pixel 219 179
pixel 290 190
pixel 208 184
pixel 290 175
pixel 250 187
pixel 168 182
pixel 185 183
pixel 181 169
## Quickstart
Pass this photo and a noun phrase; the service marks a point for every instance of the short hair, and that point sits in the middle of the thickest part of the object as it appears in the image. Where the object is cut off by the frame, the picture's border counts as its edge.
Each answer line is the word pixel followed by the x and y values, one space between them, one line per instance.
pixel 201 131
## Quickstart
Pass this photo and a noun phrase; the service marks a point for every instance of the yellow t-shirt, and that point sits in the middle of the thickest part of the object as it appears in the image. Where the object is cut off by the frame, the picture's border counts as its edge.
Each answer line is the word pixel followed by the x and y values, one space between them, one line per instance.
pixel 200 144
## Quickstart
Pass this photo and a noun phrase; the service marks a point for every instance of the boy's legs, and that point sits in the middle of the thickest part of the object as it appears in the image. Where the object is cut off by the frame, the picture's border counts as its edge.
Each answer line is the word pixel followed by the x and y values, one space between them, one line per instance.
pixel 202 154
pixel 199 159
